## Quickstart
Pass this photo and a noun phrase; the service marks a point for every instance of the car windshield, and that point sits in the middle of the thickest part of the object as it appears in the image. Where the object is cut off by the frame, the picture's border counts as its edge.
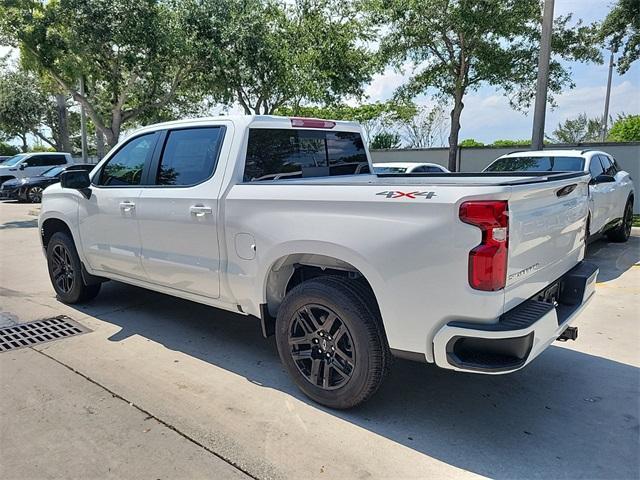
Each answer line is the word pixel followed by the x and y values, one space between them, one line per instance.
pixel 537 164
pixel 10 162
pixel 53 172
pixel 389 169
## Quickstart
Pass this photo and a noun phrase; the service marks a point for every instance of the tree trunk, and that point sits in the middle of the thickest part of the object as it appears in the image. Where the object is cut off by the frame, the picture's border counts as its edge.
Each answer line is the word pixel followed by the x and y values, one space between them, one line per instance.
pixel 25 147
pixel 455 130
pixel 63 142
pixel 99 144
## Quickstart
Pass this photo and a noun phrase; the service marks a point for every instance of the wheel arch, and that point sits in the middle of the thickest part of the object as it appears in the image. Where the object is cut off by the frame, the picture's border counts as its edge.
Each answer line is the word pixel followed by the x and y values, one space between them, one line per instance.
pixel 289 268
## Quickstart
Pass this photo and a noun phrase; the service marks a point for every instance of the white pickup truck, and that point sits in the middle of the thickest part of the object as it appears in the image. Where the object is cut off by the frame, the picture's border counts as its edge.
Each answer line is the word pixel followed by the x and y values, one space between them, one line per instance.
pixel 278 218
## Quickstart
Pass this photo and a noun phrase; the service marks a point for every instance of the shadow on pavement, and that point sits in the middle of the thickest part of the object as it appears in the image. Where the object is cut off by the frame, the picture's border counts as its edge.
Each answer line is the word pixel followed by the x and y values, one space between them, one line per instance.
pixel 567 415
pixel 20 224
pixel 614 258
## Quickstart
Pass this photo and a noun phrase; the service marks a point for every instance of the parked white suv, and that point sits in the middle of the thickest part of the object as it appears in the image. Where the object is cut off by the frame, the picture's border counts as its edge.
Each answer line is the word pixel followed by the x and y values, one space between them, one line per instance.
pixel 611 192
pixel 25 165
pixel 475 273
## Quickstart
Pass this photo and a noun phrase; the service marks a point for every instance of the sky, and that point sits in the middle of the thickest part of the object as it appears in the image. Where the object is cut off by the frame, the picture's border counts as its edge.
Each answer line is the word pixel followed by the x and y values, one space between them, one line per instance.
pixel 487 115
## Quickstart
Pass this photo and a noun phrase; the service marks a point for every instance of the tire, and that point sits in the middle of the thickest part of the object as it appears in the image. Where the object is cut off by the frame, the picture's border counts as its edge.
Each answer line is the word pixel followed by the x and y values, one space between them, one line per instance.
pixel 34 194
pixel 65 271
pixel 623 231
pixel 331 341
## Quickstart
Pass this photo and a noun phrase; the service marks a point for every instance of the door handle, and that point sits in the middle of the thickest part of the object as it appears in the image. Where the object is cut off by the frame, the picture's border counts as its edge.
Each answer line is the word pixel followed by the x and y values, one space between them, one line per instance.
pixel 127 206
pixel 200 210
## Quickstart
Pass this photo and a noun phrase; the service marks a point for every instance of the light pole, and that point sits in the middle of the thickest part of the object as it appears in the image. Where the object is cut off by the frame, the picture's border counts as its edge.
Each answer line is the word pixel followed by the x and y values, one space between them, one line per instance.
pixel 537 136
pixel 605 118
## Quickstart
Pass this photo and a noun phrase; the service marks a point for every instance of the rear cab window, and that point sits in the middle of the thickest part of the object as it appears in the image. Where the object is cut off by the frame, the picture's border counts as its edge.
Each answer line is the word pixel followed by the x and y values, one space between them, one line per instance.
pixel 537 164
pixel 280 154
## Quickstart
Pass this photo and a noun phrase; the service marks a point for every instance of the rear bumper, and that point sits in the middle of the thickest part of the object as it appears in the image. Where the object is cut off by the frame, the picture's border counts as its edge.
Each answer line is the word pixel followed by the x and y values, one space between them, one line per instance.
pixel 522 333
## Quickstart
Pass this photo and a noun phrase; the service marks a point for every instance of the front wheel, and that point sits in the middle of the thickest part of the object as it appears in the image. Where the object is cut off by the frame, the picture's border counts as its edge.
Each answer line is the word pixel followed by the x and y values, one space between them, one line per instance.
pixel 623 231
pixel 330 339
pixel 65 271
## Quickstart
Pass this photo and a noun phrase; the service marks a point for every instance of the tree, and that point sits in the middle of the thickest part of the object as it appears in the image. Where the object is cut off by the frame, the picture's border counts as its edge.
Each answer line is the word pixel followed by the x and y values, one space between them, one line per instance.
pixel 267 54
pixel 626 128
pixel 373 117
pixel 8 150
pixel 131 54
pixel 385 140
pixel 471 142
pixel 622 26
pixel 425 129
pixel 577 130
pixel 454 46
pixel 22 105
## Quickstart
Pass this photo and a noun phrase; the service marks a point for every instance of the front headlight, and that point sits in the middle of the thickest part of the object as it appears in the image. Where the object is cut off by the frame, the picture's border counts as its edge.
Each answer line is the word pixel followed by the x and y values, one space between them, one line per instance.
pixel 23 181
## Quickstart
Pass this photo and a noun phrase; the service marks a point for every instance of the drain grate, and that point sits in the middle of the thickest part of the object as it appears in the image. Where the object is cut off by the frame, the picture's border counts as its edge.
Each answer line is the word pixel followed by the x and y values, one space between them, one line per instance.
pixel 40 331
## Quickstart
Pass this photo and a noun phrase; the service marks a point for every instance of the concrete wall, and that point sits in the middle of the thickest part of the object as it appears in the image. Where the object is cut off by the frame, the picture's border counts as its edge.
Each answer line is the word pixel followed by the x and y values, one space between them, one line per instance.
pixel 477 158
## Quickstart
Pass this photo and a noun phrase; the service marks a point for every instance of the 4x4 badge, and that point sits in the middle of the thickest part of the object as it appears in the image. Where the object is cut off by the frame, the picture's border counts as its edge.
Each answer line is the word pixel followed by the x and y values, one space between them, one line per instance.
pixel 399 194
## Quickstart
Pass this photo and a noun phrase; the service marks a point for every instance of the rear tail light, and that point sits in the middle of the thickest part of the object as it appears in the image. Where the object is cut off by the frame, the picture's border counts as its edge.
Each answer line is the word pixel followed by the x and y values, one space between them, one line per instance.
pixel 311 123
pixel 488 261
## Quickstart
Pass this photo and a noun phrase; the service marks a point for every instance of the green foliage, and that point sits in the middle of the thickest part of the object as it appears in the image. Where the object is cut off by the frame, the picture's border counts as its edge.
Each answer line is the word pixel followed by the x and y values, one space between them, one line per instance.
pixel 511 143
pixel 626 128
pixel 8 150
pixel 457 46
pixel 385 140
pixel 577 130
pixel 132 54
pixel 21 105
pixel 374 117
pixel 267 54
pixel 621 28
pixel 42 148
pixel 470 142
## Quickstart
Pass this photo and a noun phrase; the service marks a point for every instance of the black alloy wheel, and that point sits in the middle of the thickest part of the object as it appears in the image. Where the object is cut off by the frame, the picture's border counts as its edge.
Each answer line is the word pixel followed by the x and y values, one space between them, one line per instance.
pixel 322 347
pixel 34 194
pixel 62 269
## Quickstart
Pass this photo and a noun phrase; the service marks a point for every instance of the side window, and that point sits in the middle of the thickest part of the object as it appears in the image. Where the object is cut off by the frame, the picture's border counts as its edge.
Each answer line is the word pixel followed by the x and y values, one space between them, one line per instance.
pixel 190 156
pixel 608 165
pixel 34 161
pixel 595 167
pixel 52 160
pixel 278 154
pixel 126 166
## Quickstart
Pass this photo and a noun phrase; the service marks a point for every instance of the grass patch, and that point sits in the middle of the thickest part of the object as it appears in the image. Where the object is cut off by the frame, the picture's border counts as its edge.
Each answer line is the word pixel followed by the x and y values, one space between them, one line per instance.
pixel 636 220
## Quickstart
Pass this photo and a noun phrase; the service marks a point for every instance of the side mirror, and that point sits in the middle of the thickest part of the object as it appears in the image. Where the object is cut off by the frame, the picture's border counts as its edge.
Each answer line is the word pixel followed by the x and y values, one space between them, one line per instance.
pixel 602 179
pixel 22 166
pixel 77 180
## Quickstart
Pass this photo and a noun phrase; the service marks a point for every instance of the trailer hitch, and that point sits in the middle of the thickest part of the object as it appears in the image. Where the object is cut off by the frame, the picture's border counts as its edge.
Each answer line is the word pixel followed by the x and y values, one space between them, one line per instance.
pixel 570 333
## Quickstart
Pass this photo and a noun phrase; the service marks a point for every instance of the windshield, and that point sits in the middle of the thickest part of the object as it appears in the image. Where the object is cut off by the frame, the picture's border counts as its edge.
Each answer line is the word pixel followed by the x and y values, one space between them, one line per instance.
pixel 10 162
pixel 53 172
pixel 537 164
pixel 389 169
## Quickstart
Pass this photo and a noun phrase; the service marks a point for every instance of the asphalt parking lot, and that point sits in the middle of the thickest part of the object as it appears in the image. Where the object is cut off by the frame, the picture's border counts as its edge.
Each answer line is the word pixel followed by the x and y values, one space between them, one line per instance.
pixel 164 388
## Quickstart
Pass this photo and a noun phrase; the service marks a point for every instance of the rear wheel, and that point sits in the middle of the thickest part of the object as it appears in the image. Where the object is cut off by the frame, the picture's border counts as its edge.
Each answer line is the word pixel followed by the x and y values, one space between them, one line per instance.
pixel 65 271
pixel 331 342
pixel 623 231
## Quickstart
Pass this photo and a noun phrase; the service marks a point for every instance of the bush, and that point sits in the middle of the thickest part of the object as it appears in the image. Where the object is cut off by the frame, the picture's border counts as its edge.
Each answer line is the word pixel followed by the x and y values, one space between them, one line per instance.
pixel 470 142
pixel 625 129
pixel 9 150
pixel 42 148
pixel 511 143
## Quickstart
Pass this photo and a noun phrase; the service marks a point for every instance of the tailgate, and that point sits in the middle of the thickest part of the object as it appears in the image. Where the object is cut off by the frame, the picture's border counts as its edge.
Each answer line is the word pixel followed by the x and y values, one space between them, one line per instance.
pixel 546 235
